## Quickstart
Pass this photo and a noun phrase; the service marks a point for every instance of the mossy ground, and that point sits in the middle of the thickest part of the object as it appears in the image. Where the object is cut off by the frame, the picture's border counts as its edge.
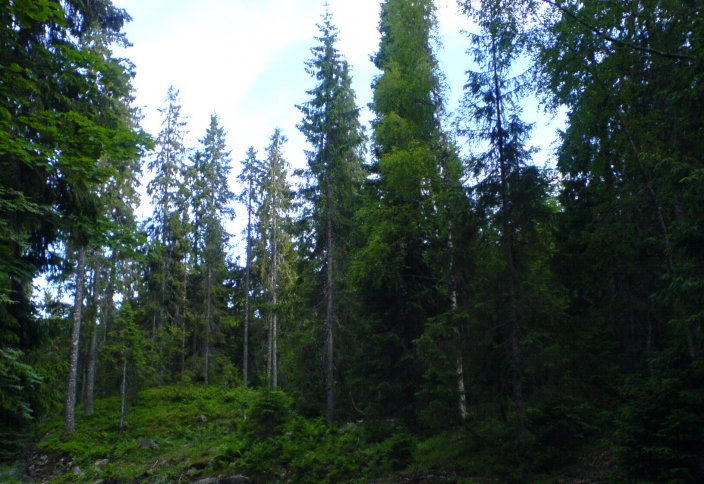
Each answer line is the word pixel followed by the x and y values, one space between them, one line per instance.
pixel 183 433
pixel 186 432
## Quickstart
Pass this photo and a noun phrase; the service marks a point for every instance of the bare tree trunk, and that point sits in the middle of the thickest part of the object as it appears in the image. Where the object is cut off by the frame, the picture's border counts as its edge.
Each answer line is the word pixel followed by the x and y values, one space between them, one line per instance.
pixel 123 395
pixel 108 303
pixel 208 316
pixel 69 423
pixel 274 301
pixel 93 349
pixel 459 364
pixel 330 362
pixel 90 380
pixel 245 356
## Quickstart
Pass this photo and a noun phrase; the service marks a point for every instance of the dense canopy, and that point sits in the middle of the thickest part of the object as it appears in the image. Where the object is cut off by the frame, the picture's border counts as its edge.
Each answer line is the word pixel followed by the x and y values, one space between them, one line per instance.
pixel 441 299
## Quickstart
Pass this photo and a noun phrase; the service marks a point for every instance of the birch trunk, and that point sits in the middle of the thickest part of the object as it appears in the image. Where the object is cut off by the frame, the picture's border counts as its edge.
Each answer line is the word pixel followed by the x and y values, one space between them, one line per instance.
pixel 93 349
pixel 69 422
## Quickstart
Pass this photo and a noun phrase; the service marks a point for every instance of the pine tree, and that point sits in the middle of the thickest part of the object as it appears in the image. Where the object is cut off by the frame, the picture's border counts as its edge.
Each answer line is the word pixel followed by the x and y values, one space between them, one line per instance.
pixel 334 174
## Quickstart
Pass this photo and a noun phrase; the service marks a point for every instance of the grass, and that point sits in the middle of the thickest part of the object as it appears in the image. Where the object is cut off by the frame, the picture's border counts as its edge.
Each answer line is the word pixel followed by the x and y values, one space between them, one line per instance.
pixel 182 433
pixel 187 432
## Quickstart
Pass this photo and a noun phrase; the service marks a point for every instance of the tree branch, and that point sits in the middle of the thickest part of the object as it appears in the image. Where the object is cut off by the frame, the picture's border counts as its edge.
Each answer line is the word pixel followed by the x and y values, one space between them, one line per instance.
pixel 614 40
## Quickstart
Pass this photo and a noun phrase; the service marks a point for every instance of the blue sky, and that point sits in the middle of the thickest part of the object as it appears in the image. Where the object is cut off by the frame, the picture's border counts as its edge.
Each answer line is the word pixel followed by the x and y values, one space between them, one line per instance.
pixel 244 59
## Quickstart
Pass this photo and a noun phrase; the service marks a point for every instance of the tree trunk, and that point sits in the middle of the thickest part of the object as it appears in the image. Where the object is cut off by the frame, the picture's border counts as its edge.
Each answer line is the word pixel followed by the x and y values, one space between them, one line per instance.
pixel 69 423
pixel 329 351
pixel 90 380
pixel 507 220
pixel 208 316
pixel 245 356
pixel 459 364
pixel 123 395
pixel 93 349
pixel 274 301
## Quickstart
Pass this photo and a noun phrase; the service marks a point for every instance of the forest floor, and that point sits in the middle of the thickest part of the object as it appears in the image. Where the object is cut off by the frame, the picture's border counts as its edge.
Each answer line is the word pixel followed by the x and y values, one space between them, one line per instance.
pixel 210 435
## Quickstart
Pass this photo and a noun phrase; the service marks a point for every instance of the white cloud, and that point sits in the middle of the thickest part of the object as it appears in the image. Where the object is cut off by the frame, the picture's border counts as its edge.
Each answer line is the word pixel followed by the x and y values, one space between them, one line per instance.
pixel 244 59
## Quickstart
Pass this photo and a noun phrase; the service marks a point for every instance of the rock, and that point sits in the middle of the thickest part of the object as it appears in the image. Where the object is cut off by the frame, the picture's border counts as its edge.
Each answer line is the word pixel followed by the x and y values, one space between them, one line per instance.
pixel 145 443
pixel 76 471
pixel 233 479
pixel 202 418
pixel 100 464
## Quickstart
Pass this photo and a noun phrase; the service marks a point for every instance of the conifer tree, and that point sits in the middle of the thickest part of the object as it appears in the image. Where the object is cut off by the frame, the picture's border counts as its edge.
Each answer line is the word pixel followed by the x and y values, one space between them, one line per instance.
pixel 210 198
pixel 398 286
pixel 169 230
pixel 273 215
pixel 334 175
pixel 248 196
pixel 511 192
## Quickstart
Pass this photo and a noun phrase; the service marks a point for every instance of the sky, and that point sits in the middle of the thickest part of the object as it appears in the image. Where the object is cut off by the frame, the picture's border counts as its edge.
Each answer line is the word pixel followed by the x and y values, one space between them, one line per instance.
pixel 245 61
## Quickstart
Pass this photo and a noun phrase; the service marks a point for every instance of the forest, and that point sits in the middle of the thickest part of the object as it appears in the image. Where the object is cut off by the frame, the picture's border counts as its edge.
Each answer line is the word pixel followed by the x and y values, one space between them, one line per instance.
pixel 423 302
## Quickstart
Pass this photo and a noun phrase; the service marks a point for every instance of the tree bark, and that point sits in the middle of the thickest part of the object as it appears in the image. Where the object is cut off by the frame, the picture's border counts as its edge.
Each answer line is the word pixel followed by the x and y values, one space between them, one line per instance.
pixel 329 350
pixel 248 269
pixel 93 349
pixel 459 364
pixel 274 297
pixel 208 316
pixel 69 422
pixel 123 395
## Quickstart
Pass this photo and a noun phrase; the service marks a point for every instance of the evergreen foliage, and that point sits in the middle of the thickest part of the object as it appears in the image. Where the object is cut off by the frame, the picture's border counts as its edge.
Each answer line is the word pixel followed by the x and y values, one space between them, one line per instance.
pixel 453 310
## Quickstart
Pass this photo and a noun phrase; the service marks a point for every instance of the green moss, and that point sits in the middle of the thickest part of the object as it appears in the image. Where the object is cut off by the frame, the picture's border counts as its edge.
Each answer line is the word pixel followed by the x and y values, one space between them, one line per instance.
pixel 185 432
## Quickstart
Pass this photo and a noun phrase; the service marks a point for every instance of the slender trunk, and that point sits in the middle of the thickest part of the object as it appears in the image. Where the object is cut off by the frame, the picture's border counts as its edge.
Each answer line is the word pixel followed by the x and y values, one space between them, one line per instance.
pixel 456 330
pixel 108 303
pixel 157 325
pixel 69 423
pixel 123 395
pixel 274 302
pixel 183 324
pixel 507 220
pixel 208 316
pixel 459 364
pixel 245 356
pixel 93 349
pixel 330 362
pixel 274 329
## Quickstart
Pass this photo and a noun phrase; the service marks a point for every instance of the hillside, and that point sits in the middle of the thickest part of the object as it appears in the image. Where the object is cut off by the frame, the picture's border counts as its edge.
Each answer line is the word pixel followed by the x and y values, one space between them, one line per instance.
pixel 192 433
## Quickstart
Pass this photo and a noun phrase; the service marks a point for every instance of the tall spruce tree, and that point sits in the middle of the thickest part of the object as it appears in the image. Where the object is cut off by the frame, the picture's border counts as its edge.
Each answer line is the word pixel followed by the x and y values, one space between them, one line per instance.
pixel 398 286
pixel 210 199
pixel 511 192
pixel 334 177
pixel 273 217
pixel 250 173
pixel 169 230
